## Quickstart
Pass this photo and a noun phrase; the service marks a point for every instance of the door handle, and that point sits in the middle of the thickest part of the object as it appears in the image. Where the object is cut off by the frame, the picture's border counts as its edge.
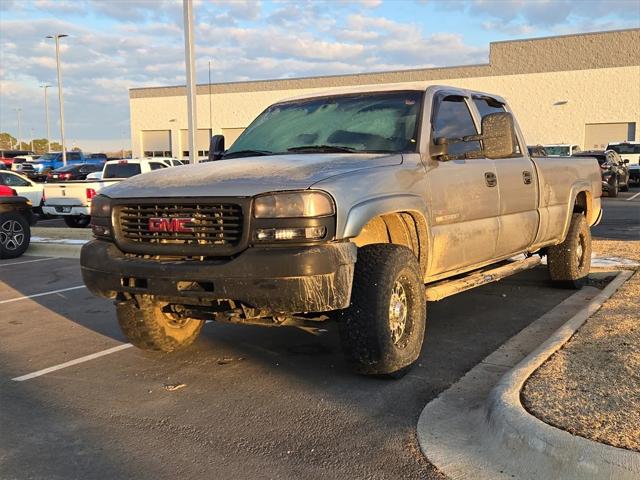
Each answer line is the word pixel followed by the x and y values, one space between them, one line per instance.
pixel 490 179
pixel 526 177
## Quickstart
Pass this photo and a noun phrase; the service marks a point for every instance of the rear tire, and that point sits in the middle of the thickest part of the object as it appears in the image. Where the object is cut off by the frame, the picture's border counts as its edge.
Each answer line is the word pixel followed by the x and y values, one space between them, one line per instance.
pixel 383 330
pixel 148 327
pixel 77 221
pixel 15 235
pixel 569 262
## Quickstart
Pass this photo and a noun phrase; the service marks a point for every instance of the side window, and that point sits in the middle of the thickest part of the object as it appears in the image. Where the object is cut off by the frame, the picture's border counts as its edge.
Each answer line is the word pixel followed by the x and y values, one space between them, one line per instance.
pixel 487 105
pixel 74 156
pixel 13 180
pixel 157 166
pixel 453 120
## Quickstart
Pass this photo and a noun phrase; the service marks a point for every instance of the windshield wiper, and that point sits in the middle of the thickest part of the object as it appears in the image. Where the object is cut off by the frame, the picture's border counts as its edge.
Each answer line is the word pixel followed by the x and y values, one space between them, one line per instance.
pixel 322 149
pixel 247 153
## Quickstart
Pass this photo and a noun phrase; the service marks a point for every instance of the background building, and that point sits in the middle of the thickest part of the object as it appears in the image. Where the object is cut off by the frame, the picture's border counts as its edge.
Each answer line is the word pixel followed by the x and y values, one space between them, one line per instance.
pixel 582 89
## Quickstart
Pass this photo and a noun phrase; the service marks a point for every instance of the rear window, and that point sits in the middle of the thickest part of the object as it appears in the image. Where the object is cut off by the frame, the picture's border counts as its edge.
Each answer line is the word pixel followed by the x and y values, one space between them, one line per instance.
pixel 625 148
pixel 121 170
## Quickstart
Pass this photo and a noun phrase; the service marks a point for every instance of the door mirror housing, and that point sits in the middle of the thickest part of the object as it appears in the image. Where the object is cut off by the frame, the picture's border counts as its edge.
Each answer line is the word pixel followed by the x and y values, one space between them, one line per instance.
pixel 626 160
pixel 498 135
pixel 498 139
pixel 216 147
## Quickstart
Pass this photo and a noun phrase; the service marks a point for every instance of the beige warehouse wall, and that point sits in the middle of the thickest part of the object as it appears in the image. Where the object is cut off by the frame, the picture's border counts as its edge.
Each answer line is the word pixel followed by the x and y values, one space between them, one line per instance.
pixel 604 95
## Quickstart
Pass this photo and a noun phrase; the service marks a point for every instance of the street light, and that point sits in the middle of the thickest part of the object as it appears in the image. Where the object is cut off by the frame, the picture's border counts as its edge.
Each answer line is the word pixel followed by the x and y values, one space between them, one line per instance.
pixel 46 116
pixel 189 55
pixel 57 38
pixel 18 111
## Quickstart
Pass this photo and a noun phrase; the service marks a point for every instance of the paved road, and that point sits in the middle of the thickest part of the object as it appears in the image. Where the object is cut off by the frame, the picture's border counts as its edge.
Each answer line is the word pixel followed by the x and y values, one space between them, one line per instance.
pixel 621 217
pixel 258 403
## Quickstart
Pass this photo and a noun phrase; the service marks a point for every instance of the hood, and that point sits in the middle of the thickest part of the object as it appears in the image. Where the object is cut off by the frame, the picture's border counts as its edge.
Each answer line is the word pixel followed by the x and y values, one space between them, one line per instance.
pixel 244 177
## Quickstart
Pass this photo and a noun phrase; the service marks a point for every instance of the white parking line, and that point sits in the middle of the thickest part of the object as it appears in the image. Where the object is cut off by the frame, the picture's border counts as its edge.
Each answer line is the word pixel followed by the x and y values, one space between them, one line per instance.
pixel 29 261
pixel 632 197
pixel 17 299
pixel 70 363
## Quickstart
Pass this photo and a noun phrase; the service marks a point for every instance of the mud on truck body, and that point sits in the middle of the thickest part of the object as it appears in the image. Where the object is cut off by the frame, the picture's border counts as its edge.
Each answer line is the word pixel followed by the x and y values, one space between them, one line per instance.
pixel 357 207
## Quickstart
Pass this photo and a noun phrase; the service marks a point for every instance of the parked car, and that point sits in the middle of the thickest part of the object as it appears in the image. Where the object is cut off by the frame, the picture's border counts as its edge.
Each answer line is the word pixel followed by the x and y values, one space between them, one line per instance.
pixel 72 172
pixel 25 187
pixel 561 149
pixel 16 166
pixel 99 156
pixel 431 190
pixel 16 218
pixel 40 168
pixel 7 156
pixel 629 151
pixel 72 200
pixel 7 191
pixel 614 170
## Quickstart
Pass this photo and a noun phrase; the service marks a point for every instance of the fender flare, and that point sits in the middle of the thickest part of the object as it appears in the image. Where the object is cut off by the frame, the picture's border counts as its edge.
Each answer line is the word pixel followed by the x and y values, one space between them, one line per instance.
pixel 577 188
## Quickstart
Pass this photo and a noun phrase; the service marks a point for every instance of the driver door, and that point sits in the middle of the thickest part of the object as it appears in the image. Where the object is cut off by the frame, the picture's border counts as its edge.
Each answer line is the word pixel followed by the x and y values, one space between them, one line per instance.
pixel 463 194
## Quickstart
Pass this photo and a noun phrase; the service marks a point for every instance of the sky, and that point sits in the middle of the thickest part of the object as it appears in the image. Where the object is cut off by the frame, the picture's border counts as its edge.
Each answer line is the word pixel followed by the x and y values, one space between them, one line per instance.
pixel 114 45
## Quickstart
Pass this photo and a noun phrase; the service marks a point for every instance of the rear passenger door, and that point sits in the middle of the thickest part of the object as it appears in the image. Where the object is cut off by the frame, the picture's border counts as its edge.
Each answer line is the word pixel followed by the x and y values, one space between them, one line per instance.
pixel 463 196
pixel 517 186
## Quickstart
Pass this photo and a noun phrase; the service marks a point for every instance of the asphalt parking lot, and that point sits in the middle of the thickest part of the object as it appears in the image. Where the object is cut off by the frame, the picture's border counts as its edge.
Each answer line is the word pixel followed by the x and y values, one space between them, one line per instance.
pixel 256 402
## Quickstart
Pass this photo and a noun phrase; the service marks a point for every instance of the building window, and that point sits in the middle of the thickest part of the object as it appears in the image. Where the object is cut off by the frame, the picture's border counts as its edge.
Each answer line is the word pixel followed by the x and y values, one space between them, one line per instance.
pixel 157 153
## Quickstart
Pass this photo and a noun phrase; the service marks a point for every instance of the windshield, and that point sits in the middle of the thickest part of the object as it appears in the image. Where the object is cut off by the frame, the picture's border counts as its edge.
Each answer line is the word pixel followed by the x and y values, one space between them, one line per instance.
pixel 369 122
pixel 121 170
pixel 557 151
pixel 625 148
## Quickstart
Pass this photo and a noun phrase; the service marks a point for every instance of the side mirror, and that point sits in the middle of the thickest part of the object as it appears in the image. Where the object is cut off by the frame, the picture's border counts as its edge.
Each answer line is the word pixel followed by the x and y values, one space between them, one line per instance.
pixel 626 160
pixel 498 135
pixel 216 147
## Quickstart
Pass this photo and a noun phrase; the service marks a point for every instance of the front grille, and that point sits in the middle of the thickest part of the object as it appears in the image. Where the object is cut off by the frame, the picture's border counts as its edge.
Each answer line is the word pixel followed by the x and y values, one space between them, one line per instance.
pixel 160 228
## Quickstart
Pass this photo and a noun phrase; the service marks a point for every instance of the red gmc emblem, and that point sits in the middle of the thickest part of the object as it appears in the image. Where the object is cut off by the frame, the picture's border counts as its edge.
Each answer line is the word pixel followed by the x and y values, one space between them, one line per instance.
pixel 173 225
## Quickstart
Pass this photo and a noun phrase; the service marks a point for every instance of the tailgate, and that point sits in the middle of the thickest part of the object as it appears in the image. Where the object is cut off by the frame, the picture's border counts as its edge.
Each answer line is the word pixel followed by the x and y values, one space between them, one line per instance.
pixel 69 194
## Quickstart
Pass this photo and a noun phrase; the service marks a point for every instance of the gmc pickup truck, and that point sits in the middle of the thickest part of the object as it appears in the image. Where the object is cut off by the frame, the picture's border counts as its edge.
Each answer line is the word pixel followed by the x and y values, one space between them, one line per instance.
pixel 356 206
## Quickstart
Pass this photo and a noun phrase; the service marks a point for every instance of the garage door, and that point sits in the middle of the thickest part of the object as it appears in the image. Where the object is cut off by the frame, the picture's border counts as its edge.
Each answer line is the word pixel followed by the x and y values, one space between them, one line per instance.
pixel 156 143
pixel 231 135
pixel 598 135
pixel 203 137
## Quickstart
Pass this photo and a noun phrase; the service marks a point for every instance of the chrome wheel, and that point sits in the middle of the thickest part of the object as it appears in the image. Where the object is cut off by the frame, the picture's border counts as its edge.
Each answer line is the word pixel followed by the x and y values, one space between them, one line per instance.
pixel 398 312
pixel 11 235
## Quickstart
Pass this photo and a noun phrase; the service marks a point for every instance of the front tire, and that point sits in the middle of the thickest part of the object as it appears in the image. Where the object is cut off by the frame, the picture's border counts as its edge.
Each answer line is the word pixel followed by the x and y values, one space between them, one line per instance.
pixel 569 262
pixel 383 330
pixel 77 221
pixel 148 326
pixel 15 235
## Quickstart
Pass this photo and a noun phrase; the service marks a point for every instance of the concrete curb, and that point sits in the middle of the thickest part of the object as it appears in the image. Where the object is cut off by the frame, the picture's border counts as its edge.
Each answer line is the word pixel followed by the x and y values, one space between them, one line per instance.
pixel 570 456
pixel 478 429
pixel 52 249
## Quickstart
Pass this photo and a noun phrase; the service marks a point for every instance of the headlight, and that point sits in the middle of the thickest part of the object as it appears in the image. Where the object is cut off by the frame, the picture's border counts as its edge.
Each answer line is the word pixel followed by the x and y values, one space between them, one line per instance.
pixel 100 206
pixel 293 205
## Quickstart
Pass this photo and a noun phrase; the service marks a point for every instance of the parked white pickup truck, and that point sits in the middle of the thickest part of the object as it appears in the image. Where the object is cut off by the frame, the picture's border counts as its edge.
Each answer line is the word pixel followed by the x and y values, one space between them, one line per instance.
pixel 72 200
pixel 354 206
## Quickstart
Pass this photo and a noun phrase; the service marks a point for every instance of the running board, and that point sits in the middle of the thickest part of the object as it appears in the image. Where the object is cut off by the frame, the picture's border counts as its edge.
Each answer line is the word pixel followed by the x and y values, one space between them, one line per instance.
pixel 446 288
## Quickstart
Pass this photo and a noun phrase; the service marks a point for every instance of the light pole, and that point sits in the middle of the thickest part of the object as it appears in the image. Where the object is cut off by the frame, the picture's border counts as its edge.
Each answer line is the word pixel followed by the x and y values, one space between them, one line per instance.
pixel 187 6
pixel 18 111
pixel 32 140
pixel 46 116
pixel 210 107
pixel 57 38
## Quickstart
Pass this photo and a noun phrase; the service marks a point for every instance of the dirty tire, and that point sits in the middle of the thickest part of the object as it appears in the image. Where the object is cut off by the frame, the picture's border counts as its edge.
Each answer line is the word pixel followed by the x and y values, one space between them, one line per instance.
pixel 77 221
pixel 15 235
pixel 613 189
pixel 149 328
pixel 377 339
pixel 569 262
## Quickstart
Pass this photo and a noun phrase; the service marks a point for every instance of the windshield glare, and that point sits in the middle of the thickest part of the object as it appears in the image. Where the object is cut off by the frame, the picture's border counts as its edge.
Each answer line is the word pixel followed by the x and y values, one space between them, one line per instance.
pixel 370 122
